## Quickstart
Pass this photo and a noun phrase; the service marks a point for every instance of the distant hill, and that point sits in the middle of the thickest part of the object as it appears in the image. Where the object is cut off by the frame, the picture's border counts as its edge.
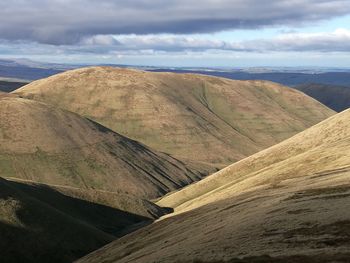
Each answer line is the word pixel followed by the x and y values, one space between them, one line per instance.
pixel 26 69
pixel 41 143
pixel 199 119
pixel 34 70
pixel 24 72
pixel 334 97
pixel 285 78
pixel 288 203
pixel 42 223
pixel 8 86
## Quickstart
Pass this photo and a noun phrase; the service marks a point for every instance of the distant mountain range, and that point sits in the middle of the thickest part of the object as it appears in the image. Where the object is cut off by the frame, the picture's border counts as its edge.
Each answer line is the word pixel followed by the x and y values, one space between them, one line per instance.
pixel 328 85
pixel 25 69
pixel 333 96
pixel 8 85
pixel 289 78
pixel 32 70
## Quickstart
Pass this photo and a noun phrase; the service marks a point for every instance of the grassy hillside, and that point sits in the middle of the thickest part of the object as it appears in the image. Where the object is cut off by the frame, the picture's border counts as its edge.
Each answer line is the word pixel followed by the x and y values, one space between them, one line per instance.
pixel 40 223
pixel 289 203
pixel 41 143
pixel 122 202
pixel 334 97
pixel 197 118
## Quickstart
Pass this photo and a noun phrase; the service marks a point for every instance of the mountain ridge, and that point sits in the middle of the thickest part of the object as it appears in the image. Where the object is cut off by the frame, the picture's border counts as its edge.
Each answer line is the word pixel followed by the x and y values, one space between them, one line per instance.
pixel 183 114
pixel 38 139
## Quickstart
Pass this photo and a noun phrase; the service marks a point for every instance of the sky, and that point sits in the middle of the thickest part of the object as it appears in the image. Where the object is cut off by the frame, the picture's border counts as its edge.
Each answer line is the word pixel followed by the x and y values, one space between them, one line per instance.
pixel 206 33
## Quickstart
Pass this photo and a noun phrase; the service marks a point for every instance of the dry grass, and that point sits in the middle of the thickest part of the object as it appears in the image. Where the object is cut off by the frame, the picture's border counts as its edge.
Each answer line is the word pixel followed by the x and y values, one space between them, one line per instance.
pixel 320 149
pixel 195 118
pixel 289 203
pixel 41 143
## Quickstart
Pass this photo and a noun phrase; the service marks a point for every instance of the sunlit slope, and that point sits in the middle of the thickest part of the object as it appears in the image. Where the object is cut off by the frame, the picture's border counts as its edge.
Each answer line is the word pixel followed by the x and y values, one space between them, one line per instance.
pixel 289 203
pixel 320 148
pixel 41 143
pixel 193 117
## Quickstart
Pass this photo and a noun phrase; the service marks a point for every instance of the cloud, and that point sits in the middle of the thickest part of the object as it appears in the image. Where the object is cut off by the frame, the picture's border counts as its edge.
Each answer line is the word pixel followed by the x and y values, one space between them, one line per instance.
pixel 110 46
pixel 100 40
pixel 337 41
pixel 62 22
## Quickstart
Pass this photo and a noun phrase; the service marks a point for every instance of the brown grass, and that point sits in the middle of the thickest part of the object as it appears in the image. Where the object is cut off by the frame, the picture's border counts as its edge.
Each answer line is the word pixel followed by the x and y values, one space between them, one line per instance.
pixel 195 118
pixel 289 203
pixel 41 143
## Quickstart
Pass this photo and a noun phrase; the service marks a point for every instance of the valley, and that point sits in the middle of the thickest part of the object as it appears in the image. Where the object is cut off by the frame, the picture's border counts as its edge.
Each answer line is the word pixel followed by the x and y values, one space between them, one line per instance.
pixel 287 203
pixel 175 131
pixel 150 159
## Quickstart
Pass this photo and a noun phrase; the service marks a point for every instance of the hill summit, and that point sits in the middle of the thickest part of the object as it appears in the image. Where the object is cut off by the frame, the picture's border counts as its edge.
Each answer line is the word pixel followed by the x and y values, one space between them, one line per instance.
pixel 196 118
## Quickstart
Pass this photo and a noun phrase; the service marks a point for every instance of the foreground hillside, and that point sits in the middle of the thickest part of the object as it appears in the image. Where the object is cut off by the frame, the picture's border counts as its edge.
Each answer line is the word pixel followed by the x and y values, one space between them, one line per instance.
pixel 334 97
pixel 41 143
pixel 41 223
pixel 197 118
pixel 289 203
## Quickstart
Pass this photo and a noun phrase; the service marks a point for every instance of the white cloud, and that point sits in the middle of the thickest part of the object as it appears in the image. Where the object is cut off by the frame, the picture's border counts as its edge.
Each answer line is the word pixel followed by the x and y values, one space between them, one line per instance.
pixel 337 41
pixel 124 46
pixel 99 40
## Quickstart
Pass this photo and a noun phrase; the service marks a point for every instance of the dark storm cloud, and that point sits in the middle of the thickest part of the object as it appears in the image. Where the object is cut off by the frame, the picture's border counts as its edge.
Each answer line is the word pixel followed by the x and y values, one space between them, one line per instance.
pixel 70 21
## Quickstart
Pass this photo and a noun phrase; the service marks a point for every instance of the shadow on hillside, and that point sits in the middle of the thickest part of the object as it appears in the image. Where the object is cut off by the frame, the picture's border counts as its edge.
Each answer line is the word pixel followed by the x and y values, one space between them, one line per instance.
pixel 107 219
pixel 22 245
pixel 43 225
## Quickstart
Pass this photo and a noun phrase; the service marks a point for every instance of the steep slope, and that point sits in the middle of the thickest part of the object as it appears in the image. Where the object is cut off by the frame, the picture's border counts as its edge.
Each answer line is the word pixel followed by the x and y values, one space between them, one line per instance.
pixel 193 117
pixel 41 143
pixel 31 231
pixel 122 202
pixel 39 223
pixel 334 97
pixel 289 203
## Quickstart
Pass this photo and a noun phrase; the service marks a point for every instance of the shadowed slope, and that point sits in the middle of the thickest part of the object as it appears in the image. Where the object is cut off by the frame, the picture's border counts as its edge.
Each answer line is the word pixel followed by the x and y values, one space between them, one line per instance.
pixel 289 203
pixel 34 231
pixel 41 223
pixel 8 86
pixel 334 97
pixel 193 117
pixel 41 143
pixel 123 202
